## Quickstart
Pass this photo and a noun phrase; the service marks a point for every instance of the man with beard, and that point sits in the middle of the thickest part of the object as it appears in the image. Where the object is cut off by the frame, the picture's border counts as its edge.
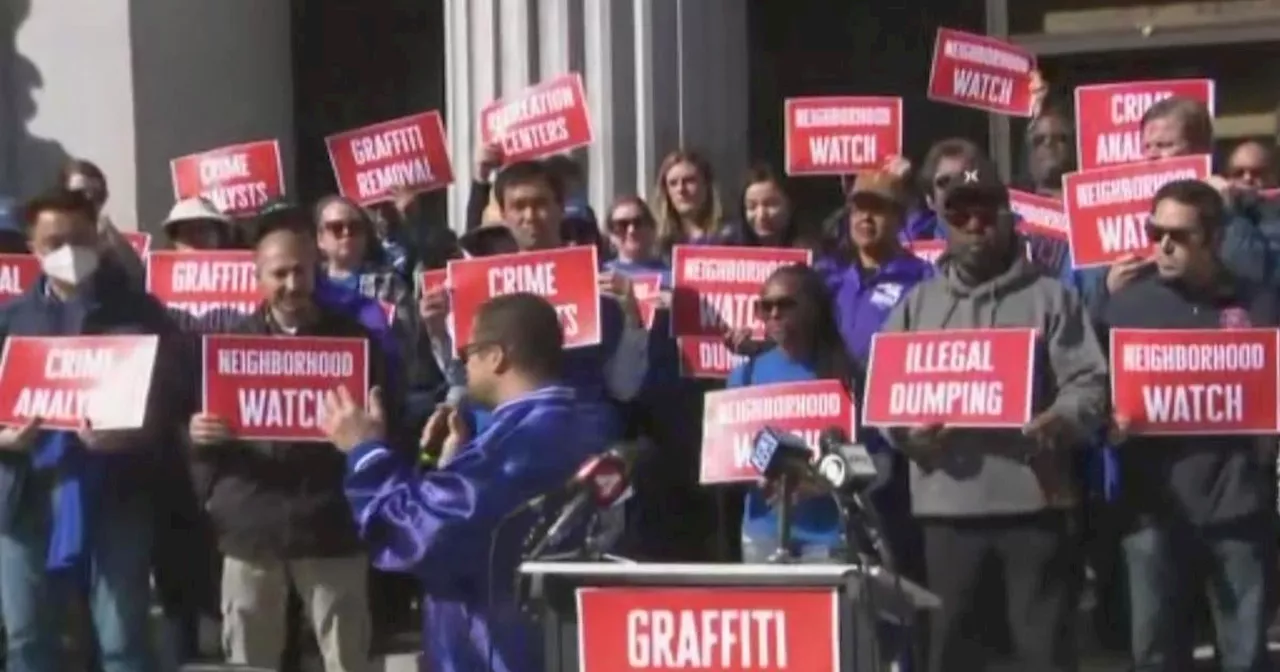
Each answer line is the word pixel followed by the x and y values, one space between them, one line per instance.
pixel 981 493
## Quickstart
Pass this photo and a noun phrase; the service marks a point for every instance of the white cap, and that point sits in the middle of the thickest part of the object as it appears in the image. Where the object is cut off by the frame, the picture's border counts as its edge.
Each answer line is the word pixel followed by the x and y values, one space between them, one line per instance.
pixel 194 209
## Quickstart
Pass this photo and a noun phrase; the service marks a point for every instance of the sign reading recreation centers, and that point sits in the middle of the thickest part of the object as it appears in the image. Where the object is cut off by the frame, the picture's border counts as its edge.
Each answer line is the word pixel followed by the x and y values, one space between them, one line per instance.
pixel 412 152
pixel 840 135
pixel 1109 117
pixel 1196 381
pixel 959 378
pixel 271 388
pixel 568 278
pixel 625 629
pixel 238 179
pixel 209 290
pixel 1107 208
pixel 65 380
pixel 547 118
pixel 732 418
pixel 981 72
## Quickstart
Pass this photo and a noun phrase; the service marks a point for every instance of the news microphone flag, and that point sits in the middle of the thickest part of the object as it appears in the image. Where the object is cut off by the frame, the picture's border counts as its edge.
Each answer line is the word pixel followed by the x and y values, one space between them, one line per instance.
pixel 773 450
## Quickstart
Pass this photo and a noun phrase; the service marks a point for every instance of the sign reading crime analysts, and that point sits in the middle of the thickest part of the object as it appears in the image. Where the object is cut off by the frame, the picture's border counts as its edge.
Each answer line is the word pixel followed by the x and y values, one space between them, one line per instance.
pixel 1196 381
pixel 625 629
pixel 271 388
pixel 959 378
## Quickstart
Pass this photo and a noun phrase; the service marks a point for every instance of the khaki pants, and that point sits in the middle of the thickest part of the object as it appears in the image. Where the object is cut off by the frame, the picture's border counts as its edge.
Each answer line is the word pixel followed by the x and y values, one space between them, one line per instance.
pixel 334 594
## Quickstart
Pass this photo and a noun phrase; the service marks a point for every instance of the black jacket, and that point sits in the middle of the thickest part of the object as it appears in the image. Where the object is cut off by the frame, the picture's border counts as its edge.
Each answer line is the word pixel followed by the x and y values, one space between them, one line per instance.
pixel 274 500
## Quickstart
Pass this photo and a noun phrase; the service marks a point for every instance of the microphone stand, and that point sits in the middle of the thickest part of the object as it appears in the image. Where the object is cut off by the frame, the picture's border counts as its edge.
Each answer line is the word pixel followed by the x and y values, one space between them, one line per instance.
pixel 783 555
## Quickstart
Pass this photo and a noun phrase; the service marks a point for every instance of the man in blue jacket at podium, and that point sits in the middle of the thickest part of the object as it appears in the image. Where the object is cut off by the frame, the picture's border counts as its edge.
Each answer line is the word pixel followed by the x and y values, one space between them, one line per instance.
pixel 460 529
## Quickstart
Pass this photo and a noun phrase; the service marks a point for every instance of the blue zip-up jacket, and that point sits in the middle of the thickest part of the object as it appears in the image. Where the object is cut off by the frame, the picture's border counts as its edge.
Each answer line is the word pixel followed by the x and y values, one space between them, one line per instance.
pixel 862 303
pixel 444 526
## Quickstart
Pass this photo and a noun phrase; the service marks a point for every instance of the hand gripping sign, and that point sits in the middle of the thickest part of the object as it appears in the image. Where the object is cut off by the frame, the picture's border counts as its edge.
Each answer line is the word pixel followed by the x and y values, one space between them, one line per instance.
pixel 17 272
pixel 1109 117
pixel 238 179
pixel 65 380
pixel 1196 381
pixel 635 629
pixel 841 135
pixel 207 291
pixel 1107 208
pixel 981 72
pixel 568 278
pixel 959 378
pixel 271 388
pixel 715 289
pixel 547 118
pixel 731 418
pixel 410 153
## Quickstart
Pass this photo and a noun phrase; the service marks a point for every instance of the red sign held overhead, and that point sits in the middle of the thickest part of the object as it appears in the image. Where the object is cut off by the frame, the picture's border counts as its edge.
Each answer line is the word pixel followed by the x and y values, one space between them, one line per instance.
pixel 928 250
pixel 411 152
pixel 981 72
pixel 1107 208
pixel 568 278
pixel 840 135
pixel 65 380
pixel 1109 117
pixel 720 629
pixel 547 118
pixel 238 179
pixel 271 388
pixel 732 418
pixel 1192 381
pixel 959 378
pixel 208 291
pixel 17 272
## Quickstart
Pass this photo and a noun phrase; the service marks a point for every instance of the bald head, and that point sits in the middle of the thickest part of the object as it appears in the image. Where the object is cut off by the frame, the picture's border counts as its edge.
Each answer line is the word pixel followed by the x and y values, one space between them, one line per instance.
pixel 286 260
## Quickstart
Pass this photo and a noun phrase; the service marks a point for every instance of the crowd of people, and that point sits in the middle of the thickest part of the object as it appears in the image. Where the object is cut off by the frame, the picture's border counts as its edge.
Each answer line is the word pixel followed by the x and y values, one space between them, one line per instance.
pixel 268 536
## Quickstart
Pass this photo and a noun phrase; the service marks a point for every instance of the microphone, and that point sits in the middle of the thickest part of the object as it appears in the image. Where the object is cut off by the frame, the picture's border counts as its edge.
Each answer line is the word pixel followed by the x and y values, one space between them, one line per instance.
pixel 853 471
pixel 775 453
pixel 601 482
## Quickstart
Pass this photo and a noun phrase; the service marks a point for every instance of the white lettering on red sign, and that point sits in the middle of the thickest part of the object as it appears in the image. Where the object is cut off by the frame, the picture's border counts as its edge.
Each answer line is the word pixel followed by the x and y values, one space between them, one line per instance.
pixel 947 397
pixel 737 639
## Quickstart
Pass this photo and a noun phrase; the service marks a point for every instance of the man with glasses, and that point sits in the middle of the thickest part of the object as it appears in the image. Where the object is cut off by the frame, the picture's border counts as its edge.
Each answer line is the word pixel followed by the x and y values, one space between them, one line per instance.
pixel 1251 166
pixel 1198 510
pixel 1010 495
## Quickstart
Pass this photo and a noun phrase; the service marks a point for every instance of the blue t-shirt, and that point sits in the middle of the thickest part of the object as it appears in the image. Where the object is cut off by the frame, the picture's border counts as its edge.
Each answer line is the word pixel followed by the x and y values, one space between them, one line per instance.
pixel 814 521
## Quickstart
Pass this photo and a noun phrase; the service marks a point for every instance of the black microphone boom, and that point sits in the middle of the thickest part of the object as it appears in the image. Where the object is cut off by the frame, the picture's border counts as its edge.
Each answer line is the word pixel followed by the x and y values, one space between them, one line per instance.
pixel 600 482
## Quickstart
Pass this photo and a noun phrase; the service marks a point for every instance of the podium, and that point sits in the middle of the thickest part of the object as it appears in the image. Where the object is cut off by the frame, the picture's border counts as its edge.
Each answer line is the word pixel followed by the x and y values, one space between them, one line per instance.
pixel 825 610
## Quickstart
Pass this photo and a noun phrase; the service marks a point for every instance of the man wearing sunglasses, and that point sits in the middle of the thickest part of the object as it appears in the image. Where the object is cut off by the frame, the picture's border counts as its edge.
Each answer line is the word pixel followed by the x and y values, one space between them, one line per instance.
pixel 1197 510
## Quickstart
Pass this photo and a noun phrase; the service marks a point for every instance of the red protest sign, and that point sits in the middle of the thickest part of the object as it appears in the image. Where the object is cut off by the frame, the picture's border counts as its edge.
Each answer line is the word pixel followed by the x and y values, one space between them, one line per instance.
pixel 410 152
pixel 430 281
pixel 1196 381
pixel 624 629
pixel 840 135
pixel 1041 215
pixel 239 179
pixel 546 118
pixel 17 272
pixel 568 278
pixel 732 418
pixel 648 291
pixel 1107 208
pixel 706 357
pixel 271 388
pixel 1109 117
pixel 959 377
pixel 140 242
pixel 928 250
pixel 210 289
pixel 65 380
pixel 981 72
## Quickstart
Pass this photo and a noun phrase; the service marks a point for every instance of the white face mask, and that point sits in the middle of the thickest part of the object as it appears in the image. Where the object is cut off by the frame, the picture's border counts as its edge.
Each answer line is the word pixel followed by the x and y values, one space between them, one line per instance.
pixel 70 264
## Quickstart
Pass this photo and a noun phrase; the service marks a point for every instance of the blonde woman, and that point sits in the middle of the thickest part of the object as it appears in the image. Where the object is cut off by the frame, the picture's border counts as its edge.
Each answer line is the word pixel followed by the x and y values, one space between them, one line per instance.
pixel 686 202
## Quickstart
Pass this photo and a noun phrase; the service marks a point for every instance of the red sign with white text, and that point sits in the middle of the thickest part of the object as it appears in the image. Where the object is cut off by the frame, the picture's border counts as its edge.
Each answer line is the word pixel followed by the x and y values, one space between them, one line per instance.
pixel 1043 224
pixel 1107 208
pixel 271 388
pixel 981 72
pixel 17 272
pixel 928 250
pixel 430 281
pixel 1196 381
pixel 140 242
pixel 624 629
pixel 1109 117
pixel 959 378
pixel 568 278
pixel 238 179
pixel 648 291
pixel 411 152
pixel 732 418
pixel 207 291
pixel 714 290
pixel 65 380
pixel 547 118
pixel 840 135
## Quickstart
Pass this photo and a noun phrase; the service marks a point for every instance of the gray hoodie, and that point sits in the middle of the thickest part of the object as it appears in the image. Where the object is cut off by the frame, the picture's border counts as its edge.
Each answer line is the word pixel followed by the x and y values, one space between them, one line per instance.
pixel 980 472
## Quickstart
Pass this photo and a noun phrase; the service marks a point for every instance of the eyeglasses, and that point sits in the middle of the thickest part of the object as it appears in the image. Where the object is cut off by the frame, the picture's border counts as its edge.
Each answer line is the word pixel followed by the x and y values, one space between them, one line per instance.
pixel 1246 172
pixel 1156 234
pixel 780 304
pixel 962 216
pixel 344 228
pixel 474 348
pixel 621 224
pixel 1043 139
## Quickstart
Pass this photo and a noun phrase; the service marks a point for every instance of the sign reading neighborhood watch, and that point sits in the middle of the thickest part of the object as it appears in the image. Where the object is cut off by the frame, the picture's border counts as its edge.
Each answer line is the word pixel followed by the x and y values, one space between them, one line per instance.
pixel 1196 381
pixel 65 380
pixel 271 388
